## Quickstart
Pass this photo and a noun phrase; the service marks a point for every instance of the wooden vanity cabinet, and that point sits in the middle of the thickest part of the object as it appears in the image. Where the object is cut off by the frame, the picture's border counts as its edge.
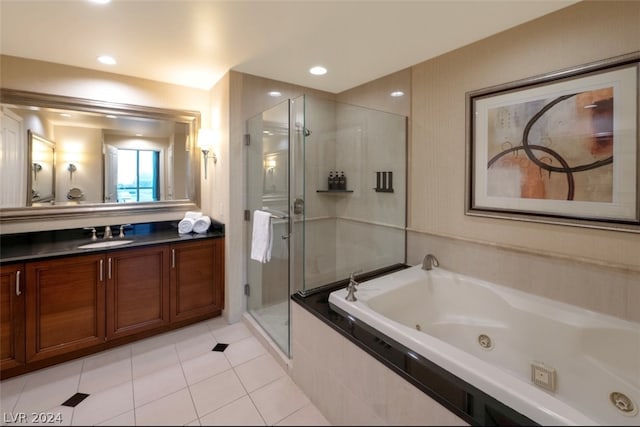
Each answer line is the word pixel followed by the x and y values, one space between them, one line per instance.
pixel 79 303
pixel 137 290
pixel 65 305
pixel 197 279
pixel 12 338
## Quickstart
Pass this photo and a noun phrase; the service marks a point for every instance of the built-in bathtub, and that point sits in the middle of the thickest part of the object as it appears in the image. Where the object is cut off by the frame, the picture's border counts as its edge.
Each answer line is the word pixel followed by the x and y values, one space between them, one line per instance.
pixel 495 337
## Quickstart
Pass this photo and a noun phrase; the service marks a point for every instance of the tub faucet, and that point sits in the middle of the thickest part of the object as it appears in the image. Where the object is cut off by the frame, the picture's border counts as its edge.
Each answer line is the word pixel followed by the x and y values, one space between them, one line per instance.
pixel 351 289
pixel 429 262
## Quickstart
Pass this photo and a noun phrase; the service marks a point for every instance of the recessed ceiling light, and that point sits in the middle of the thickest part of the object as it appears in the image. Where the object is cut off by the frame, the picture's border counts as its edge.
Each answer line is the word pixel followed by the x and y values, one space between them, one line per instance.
pixel 318 70
pixel 65 114
pixel 100 1
pixel 111 116
pixel 275 93
pixel 107 60
pixel 397 93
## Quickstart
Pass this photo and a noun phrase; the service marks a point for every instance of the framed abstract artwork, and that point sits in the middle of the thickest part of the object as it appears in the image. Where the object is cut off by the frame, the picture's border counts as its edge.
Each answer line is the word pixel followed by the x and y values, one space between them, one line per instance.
pixel 559 148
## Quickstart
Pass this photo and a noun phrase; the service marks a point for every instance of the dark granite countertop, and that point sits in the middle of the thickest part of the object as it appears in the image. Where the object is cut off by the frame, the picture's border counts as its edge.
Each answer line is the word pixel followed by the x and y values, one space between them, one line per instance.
pixel 47 244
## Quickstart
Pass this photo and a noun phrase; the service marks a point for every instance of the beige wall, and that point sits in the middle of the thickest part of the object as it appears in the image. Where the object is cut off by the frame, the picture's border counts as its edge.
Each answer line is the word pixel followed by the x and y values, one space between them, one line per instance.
pixel 585 32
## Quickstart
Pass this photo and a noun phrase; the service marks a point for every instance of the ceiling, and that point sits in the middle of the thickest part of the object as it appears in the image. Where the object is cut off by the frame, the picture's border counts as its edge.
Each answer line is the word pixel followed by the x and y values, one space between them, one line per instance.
pixel 195 42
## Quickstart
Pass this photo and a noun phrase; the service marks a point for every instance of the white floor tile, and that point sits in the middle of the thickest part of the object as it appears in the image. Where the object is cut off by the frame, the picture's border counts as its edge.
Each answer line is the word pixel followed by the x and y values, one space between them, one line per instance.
pixel 172 379
pixel 278 400
pixel 308 415
pixel 104 405
pixel 193 346
pixel 49 388
pixel 105 370
pixel 205 366
pixel 259 371
pixel 244 350
pixel 10 392
pixel 126 419
pixel 241 412
pixel 150 360
pixel 152 343
pixel 231 333
pixel 172 410
pixel 215 392
pixel 158 384
pixel 216 323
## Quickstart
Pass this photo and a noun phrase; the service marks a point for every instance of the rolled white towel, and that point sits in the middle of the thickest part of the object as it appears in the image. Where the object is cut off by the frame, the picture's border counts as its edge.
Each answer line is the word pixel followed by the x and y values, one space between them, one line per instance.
pixel 192 214
pixel 201 225
pixel 186 225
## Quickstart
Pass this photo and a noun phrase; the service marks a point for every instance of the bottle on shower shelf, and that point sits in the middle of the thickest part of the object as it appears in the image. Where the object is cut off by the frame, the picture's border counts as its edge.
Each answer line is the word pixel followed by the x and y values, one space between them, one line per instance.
pixel 332 181
pixel 342 182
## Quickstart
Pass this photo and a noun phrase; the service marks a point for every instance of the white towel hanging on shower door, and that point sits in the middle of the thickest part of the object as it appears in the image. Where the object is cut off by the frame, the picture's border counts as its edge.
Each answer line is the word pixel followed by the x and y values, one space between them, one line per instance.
pixel 262 238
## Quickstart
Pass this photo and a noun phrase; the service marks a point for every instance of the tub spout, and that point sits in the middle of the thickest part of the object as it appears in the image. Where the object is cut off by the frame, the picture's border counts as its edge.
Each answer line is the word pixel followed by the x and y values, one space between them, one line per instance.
pixel 429 262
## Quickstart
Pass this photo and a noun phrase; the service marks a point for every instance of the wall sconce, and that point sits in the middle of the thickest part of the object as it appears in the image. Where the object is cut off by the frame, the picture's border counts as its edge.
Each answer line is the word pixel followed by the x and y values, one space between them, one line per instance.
pixel 270 165
pixel 206 142
pixel 37 167
pixel 71 168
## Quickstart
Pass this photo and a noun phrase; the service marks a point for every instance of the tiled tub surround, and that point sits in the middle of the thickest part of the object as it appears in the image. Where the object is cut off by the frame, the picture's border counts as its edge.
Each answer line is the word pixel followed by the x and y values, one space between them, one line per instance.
pixel 358 376
pixel 348 380
pixel 587 283
pixel 491 336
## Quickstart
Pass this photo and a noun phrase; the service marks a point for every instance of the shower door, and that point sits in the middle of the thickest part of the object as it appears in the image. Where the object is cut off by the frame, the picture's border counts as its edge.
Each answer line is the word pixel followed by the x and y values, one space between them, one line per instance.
pixel 268 169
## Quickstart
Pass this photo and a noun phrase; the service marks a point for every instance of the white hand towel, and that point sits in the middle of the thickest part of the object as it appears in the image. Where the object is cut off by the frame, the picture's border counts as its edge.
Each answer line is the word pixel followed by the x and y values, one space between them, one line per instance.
pixel 262 238
pixel 186 225
pixel 201 225
pixel 192 214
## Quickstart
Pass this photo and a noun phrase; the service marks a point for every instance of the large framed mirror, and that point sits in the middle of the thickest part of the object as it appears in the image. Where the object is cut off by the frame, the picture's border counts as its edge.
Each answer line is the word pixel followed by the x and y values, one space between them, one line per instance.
pixel 67 157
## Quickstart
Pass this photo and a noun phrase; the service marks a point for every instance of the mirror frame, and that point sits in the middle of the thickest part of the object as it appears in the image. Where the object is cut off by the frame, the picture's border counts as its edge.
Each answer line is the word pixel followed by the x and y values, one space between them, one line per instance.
pixel 101 210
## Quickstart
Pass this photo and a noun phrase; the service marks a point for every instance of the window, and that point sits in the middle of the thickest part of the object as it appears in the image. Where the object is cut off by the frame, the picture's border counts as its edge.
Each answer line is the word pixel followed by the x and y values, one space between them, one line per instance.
pixel 138 177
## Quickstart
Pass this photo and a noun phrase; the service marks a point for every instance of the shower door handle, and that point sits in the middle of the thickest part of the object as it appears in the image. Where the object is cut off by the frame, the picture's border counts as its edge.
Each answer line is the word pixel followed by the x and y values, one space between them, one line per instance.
pixel 286 236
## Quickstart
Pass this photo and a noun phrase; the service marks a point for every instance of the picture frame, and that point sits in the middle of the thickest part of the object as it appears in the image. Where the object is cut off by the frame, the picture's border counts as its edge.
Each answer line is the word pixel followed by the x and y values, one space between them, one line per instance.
pixel 558 148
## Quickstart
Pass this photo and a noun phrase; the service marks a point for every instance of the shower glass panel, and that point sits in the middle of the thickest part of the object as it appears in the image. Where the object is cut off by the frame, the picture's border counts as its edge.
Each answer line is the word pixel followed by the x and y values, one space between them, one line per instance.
pixel 322 233
pixel 359 226
pixel 268 169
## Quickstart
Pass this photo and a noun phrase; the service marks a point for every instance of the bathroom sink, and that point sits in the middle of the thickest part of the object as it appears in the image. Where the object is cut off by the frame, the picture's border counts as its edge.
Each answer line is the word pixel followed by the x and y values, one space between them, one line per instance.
pixel 105 244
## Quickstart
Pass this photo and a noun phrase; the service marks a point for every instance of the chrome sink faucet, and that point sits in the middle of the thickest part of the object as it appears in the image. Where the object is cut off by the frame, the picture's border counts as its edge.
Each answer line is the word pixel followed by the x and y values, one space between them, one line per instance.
pixel 121 235
pixel 107 233
pixel 429 262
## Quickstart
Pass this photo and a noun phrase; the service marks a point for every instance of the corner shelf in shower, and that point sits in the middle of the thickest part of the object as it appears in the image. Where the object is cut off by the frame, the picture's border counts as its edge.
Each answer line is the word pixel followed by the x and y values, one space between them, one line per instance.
pixel 334 191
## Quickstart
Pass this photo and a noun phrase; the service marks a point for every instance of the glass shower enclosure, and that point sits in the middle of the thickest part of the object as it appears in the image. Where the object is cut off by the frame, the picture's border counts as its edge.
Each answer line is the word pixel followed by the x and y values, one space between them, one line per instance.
pixel 332 176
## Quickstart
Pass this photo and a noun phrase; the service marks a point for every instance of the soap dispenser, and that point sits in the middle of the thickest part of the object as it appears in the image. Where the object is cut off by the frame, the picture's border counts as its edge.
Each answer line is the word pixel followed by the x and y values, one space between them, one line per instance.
pixel 342 182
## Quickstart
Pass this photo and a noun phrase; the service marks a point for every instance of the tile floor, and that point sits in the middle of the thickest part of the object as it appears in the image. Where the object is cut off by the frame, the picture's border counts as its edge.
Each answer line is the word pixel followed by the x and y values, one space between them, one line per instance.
pixel 171 379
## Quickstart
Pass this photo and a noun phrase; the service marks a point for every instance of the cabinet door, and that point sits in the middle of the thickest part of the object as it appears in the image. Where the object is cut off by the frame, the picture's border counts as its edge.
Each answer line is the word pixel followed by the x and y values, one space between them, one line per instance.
pixel 65 305
pixel 197 279
pixel 137 290
pixel 12 338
